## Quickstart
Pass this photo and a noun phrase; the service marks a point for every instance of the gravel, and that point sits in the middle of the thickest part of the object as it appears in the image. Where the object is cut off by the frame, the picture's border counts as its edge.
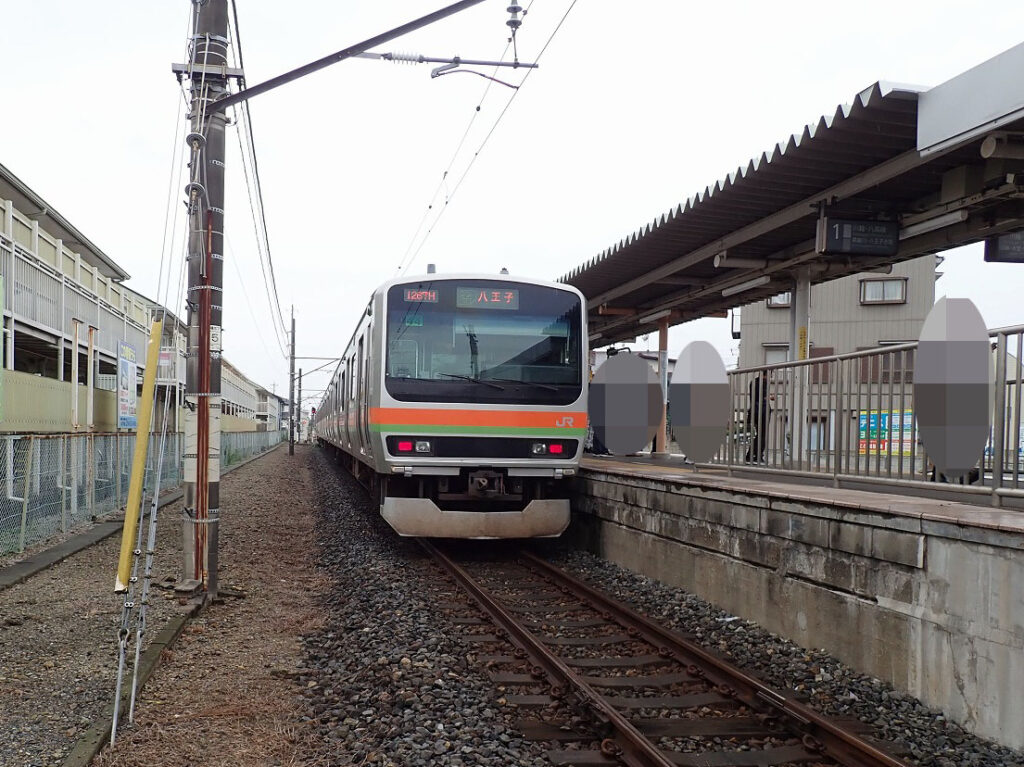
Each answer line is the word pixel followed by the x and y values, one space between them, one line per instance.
pixel 58 647
pixel 823 682
pixel 387 680
pixel 226 694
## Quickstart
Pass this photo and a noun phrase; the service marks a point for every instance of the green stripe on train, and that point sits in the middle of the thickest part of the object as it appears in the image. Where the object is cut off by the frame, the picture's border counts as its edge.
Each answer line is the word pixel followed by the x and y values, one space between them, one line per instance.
pixel 502 430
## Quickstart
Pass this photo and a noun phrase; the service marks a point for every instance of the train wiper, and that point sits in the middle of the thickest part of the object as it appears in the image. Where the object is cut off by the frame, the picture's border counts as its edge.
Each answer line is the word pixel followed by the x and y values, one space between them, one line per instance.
pixel 474 380
pixel 547 387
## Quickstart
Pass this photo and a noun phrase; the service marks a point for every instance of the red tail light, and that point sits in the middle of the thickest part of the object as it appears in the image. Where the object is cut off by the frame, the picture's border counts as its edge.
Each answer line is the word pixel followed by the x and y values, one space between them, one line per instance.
pixel 405 446
pixel 555 449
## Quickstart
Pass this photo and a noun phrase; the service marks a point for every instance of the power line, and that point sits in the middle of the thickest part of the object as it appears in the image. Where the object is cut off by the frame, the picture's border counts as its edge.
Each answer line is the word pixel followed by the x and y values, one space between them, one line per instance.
pixel 451 162
pixel 245 293
pixel 487 138
pixel 247 148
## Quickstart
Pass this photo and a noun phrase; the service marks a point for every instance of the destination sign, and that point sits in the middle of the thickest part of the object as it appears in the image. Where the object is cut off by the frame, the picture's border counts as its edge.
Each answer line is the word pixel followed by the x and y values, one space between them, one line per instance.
pixel 486 298
pixel 863 238
pixel 424 296
pixel 1007 248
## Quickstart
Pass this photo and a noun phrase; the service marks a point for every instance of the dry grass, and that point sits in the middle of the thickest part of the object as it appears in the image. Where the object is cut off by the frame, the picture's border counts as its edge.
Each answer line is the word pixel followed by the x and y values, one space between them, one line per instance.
pixel 215 701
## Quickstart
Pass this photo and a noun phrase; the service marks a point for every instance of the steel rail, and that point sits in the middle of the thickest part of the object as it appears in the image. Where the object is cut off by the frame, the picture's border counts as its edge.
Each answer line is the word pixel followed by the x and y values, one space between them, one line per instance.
pixel 632 746
pixel 818 732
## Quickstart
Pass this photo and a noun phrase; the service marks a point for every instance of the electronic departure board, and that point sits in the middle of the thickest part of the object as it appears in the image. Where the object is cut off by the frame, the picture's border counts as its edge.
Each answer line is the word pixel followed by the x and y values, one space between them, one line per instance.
pixel 418 294
pixel 486 298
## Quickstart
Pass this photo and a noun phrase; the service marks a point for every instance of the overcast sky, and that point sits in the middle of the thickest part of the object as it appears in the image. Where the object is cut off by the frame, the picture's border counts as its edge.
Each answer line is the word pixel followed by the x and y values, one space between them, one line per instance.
pixel 637 106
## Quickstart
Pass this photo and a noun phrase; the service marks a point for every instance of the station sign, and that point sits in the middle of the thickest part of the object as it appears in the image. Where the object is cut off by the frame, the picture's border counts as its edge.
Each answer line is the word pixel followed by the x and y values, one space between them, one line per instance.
pixel 1006 248
pixel 860 238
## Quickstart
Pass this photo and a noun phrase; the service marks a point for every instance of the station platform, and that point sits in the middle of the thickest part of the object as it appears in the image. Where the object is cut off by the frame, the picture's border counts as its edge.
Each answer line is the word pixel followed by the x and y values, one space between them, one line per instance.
pixel 924 593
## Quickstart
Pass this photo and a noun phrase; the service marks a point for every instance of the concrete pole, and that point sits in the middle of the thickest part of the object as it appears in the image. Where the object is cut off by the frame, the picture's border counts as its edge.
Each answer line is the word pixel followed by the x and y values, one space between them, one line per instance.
pixel 205 300
pixel 661 436
pixel 291 393
pixel 799 349
pixel 299 398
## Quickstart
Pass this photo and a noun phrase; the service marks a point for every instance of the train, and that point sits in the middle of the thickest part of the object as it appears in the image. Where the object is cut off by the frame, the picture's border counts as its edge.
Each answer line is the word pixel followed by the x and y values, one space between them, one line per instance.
pixel 460 402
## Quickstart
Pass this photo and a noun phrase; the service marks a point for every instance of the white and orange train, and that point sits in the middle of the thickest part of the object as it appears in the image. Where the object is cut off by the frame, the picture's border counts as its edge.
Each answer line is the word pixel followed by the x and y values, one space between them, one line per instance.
pixel 461 401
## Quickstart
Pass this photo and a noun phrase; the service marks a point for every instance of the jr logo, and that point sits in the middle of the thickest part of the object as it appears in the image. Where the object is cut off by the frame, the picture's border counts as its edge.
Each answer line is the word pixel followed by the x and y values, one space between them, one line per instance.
pixel 565 421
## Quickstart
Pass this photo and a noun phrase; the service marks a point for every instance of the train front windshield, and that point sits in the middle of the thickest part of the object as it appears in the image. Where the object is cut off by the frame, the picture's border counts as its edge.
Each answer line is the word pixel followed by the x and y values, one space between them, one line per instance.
pixel 483 341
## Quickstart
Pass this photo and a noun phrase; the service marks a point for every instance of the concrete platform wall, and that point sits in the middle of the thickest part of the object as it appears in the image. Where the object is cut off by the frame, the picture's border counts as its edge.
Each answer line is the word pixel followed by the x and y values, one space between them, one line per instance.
pixel 934 607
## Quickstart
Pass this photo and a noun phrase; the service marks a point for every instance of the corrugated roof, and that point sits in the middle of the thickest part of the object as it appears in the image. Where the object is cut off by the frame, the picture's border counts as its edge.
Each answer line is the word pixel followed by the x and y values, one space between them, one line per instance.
pixel 861 160
pixel 888 110
pixel 52 222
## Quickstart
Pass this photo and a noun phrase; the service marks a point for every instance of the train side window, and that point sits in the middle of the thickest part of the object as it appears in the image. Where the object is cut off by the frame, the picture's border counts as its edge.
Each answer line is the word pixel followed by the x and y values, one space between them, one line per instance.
pixel 343 381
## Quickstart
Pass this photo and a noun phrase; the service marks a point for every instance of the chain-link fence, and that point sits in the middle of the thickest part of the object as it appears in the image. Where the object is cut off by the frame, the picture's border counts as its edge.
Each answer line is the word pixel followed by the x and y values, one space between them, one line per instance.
pixel 53 483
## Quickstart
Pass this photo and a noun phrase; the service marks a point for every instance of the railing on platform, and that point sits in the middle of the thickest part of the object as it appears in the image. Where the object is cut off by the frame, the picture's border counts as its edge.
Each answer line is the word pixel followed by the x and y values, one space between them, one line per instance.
pixel 851 417
pixel 54 483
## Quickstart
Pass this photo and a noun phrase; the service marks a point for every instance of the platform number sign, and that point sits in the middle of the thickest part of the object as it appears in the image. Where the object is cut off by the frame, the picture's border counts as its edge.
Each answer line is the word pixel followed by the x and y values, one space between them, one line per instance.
pixel 861 238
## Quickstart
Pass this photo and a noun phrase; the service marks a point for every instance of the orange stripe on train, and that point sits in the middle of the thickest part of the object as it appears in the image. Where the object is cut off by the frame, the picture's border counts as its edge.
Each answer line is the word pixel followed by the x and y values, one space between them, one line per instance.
pixel 511 418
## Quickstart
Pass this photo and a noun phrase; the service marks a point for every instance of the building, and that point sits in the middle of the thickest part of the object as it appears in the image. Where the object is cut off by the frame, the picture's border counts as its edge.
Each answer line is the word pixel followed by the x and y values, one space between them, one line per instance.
pixel 862 311
pixel 65 309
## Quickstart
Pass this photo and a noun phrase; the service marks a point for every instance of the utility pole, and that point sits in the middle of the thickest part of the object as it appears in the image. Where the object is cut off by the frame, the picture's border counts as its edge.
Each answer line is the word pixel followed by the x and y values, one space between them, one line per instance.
pixel 209 82
pixel 299 398
pixel 291 393
pixel 208 73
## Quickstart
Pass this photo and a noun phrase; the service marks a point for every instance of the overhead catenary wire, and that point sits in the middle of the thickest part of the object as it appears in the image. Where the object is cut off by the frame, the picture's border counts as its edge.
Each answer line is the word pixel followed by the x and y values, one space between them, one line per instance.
pixel 442 183
pixel 490 133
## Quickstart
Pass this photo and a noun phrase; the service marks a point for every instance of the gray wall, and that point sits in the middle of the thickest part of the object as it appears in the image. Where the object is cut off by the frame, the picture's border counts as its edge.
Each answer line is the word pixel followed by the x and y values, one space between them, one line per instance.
pixel 838 319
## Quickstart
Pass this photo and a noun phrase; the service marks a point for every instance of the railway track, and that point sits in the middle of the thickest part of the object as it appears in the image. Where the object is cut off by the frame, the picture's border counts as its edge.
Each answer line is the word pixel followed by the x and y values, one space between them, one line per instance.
pixel 620 689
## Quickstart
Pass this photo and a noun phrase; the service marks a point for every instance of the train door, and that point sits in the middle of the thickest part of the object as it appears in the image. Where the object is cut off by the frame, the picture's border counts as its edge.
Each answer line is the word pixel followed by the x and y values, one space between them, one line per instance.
pixel 350 397
pixel 368 383
pixel 360 397
pixel 342 396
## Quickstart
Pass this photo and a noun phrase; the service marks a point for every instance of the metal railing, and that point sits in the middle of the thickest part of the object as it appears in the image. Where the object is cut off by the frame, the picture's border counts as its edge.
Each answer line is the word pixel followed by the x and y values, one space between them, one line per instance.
pixel 52 484
pixel 852 418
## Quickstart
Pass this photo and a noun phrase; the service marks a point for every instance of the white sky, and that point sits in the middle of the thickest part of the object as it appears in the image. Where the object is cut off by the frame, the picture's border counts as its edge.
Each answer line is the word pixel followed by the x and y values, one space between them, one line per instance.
pixel 636 106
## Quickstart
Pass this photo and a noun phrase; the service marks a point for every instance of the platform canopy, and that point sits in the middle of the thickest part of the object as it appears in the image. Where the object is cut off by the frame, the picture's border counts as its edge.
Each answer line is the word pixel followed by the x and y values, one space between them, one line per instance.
pixel 898 173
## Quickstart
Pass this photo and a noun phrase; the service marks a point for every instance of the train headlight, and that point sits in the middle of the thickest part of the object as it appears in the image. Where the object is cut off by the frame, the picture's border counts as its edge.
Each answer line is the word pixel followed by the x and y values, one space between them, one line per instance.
pixel 423 446
pixel 539 448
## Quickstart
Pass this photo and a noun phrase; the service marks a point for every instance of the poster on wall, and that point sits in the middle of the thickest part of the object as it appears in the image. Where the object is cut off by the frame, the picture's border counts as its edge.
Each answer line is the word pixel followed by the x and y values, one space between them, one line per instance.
pixel 127 386
pixel 886 432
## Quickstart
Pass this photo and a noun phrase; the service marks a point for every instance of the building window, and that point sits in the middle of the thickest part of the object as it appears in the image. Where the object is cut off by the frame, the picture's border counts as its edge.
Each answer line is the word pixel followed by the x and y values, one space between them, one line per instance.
pixel 883 291
pixel 775 353
pixel 897 366
pixel 780 301
pixel 820 371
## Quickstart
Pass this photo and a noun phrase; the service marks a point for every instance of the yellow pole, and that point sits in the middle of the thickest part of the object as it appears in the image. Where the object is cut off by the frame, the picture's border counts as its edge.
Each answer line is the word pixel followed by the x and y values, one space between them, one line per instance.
pixel 131 509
